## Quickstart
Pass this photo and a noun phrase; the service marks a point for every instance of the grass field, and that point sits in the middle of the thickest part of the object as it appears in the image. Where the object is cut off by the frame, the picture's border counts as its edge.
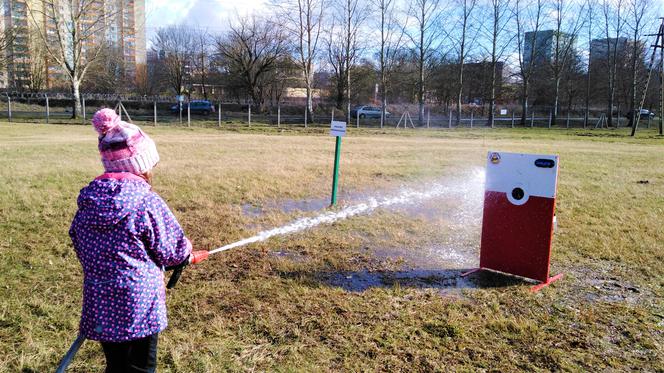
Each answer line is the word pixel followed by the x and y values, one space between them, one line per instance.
pixel 377 292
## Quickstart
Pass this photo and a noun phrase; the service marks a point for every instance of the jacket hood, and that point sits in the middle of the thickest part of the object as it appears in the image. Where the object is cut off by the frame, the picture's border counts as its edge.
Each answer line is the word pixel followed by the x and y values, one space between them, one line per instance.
pixel 107 200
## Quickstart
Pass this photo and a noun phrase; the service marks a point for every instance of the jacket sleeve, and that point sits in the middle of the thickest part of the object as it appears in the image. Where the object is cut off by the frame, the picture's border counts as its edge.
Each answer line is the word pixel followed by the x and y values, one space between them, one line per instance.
pixel 164 238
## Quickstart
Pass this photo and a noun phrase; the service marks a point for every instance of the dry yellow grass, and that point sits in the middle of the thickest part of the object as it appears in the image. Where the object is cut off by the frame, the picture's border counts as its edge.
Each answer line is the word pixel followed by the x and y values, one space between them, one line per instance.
pixel 252 309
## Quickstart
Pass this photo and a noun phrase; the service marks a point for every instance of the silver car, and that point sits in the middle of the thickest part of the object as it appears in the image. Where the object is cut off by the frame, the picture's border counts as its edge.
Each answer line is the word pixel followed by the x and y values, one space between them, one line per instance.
pixel 367 111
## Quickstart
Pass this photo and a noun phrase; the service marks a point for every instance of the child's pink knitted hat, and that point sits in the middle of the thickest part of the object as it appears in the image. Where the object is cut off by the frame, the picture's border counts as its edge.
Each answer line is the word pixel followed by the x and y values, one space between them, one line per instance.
pixel 123 146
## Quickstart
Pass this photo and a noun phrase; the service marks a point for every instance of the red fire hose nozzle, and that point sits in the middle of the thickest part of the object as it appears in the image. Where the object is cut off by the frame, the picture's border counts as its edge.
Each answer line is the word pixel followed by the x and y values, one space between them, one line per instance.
pixel 194 257
pixel 198 256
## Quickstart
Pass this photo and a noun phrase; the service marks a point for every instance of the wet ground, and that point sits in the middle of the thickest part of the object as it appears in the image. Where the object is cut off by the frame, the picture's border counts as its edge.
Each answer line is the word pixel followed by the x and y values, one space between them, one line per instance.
pixel 420 265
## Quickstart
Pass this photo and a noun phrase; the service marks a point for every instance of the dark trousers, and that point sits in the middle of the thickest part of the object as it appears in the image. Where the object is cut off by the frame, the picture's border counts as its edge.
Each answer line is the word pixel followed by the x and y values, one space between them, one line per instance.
pixel 135 356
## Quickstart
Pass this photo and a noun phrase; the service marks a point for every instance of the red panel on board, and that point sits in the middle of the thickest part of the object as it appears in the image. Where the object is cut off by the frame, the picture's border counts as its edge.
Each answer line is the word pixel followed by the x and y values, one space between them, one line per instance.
pixel 517 239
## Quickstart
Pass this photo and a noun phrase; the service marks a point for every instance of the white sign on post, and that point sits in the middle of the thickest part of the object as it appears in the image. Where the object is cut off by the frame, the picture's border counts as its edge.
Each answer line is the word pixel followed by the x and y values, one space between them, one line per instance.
pixel 338 128
pixel 503 111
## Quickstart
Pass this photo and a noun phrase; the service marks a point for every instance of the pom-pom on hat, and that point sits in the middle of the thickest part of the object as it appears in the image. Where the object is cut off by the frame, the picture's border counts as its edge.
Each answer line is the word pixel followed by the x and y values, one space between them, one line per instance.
pixel 123 146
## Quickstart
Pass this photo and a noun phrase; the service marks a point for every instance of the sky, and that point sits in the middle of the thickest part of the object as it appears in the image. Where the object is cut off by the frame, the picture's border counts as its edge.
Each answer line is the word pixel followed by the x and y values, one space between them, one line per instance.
pixel 206 14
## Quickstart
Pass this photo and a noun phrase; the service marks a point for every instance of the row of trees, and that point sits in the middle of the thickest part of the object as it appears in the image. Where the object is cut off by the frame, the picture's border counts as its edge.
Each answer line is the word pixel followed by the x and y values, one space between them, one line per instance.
pixel 420 51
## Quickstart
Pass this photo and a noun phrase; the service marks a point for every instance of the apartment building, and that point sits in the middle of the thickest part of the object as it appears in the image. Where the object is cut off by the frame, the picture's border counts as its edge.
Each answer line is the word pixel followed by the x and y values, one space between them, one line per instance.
pixel 28 64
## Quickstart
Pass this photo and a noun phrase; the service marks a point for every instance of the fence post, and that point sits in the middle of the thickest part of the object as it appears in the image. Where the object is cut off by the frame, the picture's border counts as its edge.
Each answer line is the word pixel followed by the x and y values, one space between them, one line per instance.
pixel 568 120
pixel 449 119
pixel 279 115
pixel 532 119
pixel 586 118
pixel 180 110
pixel 550 118
pixel 48 113
pixel 154 107
pixel 428 117
pixel 9 109
pixel 249 115
pixel 512 118
pixel 306 117
pixel 120 109
pixel 357 119
pixel 219 114
pixel 188 114
pixel 471 119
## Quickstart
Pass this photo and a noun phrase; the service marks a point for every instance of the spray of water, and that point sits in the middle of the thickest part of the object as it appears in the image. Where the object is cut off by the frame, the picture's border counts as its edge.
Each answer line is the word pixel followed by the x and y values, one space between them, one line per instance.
pixel 465 188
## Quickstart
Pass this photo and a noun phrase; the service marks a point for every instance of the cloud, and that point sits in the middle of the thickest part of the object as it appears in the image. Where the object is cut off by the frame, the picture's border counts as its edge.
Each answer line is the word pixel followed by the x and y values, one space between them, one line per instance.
pixel 213 15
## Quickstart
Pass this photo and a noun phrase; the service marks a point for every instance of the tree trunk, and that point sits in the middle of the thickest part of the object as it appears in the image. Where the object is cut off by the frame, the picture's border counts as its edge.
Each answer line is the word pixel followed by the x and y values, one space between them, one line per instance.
pixel 524 104
pixel 492 98
pixel 76 103
pixel 556 99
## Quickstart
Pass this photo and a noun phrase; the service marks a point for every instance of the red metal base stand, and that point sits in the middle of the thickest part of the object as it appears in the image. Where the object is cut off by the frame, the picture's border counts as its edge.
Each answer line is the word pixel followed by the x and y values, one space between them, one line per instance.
pixel 539 287
pixel 533 289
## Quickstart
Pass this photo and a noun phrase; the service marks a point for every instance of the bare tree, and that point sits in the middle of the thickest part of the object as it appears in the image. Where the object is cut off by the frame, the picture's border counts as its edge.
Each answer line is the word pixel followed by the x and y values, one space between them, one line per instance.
pixel 304 22
pixel 252 49
pixel 343 47
pixel 73 35
pixel 568 22
pixel 467 7
pixel 425 38
pixel 391 39
pixel 637 12
pixel 589 26
pixel 613 21
pixel 175 46
pixel 201 59
pixel 500 18
pixel 527 16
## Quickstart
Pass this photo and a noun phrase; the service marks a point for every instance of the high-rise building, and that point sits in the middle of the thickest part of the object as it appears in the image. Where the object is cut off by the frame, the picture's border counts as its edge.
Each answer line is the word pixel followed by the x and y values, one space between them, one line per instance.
pixel 540 46
pixel 600 47
pixel 123 31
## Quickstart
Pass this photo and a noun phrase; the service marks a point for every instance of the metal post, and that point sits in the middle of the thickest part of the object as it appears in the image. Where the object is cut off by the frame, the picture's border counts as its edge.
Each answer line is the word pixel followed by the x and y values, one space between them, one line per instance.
pixel 249 115
pixel 357 119
pixel 471 119
pixel 449 119
pixel 428 117
pixel 9 109
pixel 48 110
pixel 306 117
pixel 532 119
pixel 188 114
pixel 335 175
pixel 587 119
pixel 278 115
pixel 550 118
pixel 83 107
pixel 120 109
pixel 568 120
pixel 180 107
pixel 512 119
pixel 154 107
pixel 219 114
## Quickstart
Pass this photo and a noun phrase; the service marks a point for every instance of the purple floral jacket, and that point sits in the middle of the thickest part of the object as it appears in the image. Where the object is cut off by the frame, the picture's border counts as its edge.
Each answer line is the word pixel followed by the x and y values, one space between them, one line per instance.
pixel 124 234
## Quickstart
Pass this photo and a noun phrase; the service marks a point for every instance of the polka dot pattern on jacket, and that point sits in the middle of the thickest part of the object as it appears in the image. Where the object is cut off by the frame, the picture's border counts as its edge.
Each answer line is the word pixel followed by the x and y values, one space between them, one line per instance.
pixel 124 234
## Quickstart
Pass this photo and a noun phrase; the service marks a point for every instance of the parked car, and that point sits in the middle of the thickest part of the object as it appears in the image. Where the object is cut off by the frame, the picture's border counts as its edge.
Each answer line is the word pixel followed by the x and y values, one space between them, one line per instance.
pixel 195 107
pixel 367 111
pixel 644 114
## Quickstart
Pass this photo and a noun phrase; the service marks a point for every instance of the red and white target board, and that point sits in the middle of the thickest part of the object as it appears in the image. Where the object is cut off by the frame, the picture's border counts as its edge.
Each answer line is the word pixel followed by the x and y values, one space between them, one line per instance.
pixel 518 218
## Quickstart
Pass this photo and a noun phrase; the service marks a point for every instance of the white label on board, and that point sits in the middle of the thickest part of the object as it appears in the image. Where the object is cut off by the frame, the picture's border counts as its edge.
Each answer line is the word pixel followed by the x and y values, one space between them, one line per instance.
pixel 338 128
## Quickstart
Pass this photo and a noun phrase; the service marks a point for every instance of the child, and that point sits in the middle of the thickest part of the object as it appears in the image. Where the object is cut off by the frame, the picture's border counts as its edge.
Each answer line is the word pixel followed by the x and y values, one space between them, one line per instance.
pixel 124 235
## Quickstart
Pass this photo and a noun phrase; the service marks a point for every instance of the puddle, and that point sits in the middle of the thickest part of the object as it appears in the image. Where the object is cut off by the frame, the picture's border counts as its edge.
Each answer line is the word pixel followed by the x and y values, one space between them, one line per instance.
pixel 442 279
pixel 252 211
pixel 305 205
